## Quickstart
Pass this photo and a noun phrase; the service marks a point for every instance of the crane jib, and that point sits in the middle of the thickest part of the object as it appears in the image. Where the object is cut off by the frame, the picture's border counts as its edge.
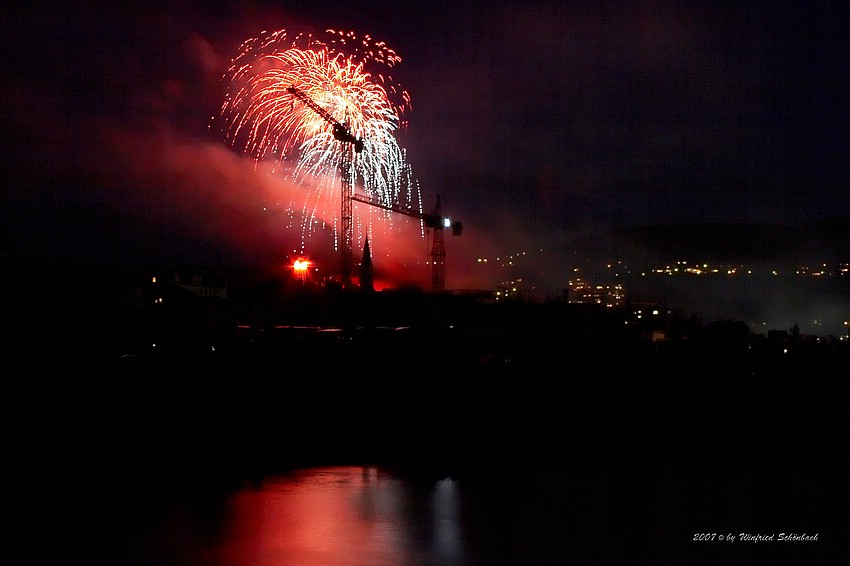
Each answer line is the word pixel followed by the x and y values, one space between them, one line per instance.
pixel 340 132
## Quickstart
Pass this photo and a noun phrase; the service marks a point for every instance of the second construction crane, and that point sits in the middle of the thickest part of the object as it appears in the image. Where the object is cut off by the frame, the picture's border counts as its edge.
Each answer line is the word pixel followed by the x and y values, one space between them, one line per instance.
pixel 434 221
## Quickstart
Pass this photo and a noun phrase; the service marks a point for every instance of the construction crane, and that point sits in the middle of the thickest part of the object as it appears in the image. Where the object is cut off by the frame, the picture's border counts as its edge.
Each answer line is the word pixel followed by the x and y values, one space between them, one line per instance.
pixel 434 221
pixel 342 134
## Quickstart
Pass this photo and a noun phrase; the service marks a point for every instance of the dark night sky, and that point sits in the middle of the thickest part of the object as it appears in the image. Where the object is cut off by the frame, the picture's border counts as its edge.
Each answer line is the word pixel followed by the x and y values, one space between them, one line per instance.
pixel 533 121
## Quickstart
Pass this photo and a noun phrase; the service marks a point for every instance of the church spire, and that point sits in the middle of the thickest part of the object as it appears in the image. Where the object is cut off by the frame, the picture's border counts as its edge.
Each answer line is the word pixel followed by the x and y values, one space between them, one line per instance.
pixel 367 276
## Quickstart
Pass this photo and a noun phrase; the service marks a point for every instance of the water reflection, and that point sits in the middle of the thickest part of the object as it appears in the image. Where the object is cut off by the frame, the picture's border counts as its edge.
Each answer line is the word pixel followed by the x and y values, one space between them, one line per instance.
pixel 327 516
pixel 448 541
pixel 370 516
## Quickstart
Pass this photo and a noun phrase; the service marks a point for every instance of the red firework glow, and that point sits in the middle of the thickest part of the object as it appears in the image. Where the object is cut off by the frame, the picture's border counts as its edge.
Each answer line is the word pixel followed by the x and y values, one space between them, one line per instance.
pixel 269 123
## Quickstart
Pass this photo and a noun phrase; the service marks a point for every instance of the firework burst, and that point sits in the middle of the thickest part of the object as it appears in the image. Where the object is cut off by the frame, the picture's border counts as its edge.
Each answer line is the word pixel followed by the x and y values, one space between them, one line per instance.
pixel 264 119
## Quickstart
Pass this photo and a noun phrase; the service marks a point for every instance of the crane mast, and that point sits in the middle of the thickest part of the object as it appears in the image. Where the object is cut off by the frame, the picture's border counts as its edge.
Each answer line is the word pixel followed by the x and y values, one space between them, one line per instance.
pixel 438 256
pixel 342 134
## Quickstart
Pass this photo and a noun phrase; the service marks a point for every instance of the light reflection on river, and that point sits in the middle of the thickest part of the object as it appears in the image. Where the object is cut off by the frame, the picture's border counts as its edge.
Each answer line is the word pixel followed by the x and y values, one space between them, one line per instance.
pixel 320 517
pixel 619 510
pixel 623 473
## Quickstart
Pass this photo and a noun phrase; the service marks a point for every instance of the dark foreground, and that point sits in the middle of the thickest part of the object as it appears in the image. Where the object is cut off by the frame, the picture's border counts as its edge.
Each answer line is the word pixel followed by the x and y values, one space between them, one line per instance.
pixel 98 422
pixel 592 467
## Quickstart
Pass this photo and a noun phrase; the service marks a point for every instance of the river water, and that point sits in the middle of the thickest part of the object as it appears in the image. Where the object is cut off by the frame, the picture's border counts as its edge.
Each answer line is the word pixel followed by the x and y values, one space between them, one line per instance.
pixel 550 510
pixel 572 465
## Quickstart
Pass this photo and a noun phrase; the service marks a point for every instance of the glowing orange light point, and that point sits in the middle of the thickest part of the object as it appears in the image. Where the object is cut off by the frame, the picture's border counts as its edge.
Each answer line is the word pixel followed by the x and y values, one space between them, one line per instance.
pixel 300 267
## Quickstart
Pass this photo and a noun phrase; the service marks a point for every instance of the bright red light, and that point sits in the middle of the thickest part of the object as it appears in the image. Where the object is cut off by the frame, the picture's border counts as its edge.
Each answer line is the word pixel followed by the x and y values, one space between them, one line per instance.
pixel 301 265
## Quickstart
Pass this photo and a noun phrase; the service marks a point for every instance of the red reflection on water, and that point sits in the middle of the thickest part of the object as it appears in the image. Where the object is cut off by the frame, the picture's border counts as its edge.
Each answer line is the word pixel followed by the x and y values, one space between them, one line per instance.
pixel 320 517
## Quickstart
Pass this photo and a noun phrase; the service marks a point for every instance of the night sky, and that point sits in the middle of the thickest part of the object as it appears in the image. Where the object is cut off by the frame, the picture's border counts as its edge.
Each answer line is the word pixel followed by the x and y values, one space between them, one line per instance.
pixel 533 121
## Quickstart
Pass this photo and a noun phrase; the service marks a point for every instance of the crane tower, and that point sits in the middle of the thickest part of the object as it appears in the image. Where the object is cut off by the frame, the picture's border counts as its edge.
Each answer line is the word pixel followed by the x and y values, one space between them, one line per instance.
pixel 342 134
pixel 438 255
